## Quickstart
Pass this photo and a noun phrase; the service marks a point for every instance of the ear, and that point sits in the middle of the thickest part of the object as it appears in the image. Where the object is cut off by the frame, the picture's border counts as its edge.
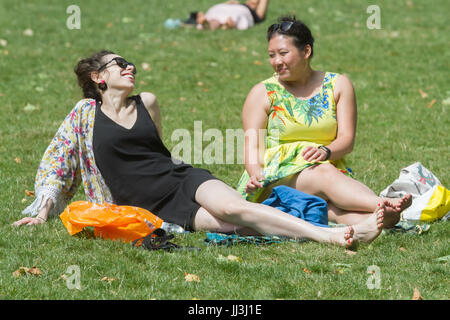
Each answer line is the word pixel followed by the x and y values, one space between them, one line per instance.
pixel 307 51
pixel 95 76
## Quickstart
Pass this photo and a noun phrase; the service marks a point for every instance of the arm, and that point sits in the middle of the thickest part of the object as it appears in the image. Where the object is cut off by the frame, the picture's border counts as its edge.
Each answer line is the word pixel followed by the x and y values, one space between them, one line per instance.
pixel 254 119
pixel 346 114
pixel 41 218
pixel 151 104
pixel 58 175
pixel 262 8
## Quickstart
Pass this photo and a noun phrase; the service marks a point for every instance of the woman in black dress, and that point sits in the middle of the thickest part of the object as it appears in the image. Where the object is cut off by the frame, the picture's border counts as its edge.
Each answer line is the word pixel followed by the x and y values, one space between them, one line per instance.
pixel 139 170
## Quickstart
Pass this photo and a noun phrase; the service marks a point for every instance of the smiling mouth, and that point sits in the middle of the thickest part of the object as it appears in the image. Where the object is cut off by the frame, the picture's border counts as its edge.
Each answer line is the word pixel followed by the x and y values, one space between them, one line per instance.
pixel 129 76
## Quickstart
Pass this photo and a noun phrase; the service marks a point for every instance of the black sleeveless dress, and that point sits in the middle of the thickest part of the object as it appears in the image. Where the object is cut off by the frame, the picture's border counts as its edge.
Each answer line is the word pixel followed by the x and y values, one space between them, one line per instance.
pixel 139 171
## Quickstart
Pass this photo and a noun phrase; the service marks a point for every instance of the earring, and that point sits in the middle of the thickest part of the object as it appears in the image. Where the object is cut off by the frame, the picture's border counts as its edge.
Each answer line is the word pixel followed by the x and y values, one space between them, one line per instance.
pixel 102 85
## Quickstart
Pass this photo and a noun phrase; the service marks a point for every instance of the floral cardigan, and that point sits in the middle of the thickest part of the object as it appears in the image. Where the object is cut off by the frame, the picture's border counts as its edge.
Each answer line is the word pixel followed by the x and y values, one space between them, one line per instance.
pixel 68 160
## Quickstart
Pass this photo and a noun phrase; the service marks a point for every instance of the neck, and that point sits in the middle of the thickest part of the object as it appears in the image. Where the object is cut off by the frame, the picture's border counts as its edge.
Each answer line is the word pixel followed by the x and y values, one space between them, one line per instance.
pixel 303 78
pixel 114 100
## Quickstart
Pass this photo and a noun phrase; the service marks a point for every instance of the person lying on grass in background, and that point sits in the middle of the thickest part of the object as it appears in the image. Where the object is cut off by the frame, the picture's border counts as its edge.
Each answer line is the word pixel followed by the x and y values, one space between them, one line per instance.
pixel 111 142
pixel 310 118
pixel 233 15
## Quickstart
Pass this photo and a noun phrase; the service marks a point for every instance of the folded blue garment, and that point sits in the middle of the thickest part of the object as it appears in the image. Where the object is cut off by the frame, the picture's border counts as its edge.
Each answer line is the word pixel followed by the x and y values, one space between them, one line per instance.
pixel 299 204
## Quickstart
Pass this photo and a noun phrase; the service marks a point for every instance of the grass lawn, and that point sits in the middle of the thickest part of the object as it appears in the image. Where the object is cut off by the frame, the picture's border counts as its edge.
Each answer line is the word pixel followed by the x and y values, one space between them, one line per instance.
pixel 400 75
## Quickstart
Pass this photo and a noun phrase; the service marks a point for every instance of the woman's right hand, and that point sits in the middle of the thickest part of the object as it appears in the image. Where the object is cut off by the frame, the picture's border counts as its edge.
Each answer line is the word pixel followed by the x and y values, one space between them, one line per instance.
pixel 29 221
pixel 41 218
pixel 254 183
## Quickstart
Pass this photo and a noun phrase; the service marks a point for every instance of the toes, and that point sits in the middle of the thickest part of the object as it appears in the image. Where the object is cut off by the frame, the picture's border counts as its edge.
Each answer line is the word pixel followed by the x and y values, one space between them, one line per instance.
pixel 350 232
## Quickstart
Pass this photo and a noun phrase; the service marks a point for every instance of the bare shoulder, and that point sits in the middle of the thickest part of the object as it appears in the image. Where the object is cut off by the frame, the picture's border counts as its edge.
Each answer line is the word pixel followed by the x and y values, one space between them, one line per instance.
pixel 149 100
pixel 343 86
pixel 343 82
pixel 258 90
pixel 257 98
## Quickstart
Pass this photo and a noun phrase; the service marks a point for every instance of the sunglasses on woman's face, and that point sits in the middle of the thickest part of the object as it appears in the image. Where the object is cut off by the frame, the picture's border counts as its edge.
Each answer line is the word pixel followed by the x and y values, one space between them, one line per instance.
pixel 121 62
pixel 284 26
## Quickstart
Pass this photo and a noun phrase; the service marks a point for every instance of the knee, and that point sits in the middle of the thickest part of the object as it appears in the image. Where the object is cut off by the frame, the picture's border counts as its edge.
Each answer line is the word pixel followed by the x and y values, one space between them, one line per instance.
pixel 234 209
pixel 325 171
pixel 312 179
pixel 327 168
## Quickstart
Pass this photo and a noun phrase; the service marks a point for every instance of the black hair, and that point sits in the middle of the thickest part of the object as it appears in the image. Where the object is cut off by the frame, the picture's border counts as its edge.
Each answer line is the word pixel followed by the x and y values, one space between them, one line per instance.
pixel 299 32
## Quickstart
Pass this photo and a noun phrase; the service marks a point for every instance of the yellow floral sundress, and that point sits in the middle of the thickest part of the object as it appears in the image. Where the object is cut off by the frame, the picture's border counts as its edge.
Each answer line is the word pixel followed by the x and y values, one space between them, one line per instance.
pixel 292 125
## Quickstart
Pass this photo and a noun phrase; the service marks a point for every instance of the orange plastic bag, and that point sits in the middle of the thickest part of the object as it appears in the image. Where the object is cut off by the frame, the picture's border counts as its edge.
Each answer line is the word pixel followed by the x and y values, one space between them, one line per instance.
pixel 110 221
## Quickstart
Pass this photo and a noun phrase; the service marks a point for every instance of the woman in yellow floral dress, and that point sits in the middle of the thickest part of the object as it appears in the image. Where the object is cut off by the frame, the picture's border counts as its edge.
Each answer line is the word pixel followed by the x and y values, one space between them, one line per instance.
pixel 310 118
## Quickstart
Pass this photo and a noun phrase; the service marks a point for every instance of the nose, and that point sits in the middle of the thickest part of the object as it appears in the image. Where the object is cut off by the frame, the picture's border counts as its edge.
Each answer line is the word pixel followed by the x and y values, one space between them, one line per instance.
pixel 277 59
pixel 131 67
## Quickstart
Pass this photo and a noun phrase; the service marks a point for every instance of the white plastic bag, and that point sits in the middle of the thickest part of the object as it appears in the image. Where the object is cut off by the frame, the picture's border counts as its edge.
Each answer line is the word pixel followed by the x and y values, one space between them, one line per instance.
pixel 431 200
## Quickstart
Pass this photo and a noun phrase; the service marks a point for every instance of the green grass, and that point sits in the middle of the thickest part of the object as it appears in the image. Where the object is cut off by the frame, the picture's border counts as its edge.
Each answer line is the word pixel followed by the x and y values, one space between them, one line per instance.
pixel 388 67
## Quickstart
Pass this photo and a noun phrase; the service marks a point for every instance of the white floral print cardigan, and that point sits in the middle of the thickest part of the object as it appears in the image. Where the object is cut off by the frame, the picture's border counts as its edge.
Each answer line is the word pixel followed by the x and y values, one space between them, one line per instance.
pixel 68 160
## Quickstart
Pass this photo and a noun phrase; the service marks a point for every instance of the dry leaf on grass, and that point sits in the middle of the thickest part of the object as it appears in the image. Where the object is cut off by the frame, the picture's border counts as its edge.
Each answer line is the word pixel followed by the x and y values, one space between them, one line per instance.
pixel 28 32
pixel 29 193
pixel 402 249
pixel 416 295
pixel 35 271
pixel 423 94
pixel 191 277
pixel 230 257
pixel 257 62
pixel 430 104
pixel 307 270
pixel 18 160
pixel 30 108
pixel 146 66
pixel 108 279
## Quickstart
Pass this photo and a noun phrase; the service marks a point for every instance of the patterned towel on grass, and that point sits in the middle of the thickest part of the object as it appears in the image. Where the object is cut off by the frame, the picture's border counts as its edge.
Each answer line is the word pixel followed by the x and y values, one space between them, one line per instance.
pixel 220 239
pixel 405 226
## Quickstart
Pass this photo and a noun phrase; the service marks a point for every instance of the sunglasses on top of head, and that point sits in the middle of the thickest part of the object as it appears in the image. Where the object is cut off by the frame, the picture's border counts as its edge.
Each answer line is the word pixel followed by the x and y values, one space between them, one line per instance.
pixel 284 26
pixel 121 62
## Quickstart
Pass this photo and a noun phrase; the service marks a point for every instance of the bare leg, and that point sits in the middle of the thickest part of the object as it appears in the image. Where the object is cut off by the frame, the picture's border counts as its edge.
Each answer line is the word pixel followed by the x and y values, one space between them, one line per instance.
pixel 261 8
pixel 340 216
pixel 207 222
pixel 346 194
pixel 226 204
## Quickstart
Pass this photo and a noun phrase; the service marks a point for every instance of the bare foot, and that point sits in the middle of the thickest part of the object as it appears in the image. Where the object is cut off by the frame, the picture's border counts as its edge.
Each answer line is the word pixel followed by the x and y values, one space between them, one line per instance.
pixel 343 237
pixel 393 209
pixel 369 229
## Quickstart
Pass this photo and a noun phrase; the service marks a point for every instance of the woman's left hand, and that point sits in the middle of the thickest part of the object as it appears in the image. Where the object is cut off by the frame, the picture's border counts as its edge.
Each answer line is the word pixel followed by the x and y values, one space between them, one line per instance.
pixel 313 154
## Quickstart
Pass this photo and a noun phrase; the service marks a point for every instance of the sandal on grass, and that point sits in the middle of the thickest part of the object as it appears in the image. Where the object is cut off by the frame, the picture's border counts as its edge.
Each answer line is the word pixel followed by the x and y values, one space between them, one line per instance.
pixel 159 240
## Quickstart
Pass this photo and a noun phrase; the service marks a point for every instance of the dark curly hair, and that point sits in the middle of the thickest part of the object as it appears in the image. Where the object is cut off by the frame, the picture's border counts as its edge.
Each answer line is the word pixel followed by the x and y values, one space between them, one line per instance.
pixel 299 32
pixel 83 70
